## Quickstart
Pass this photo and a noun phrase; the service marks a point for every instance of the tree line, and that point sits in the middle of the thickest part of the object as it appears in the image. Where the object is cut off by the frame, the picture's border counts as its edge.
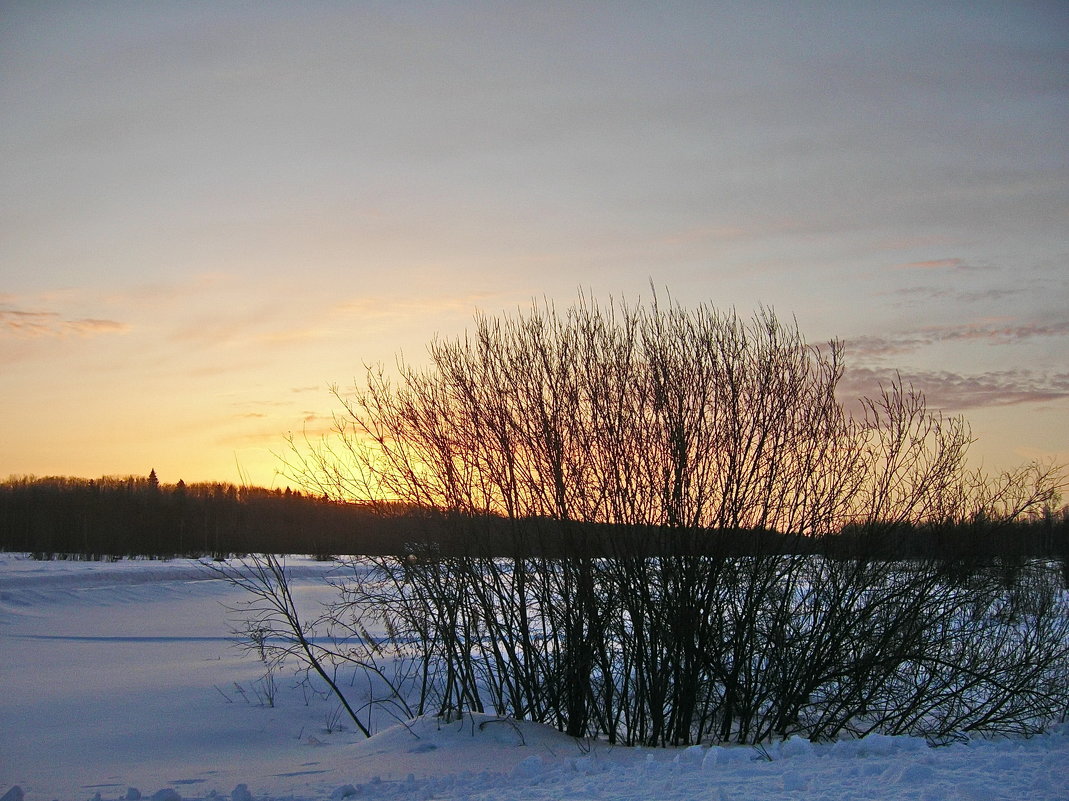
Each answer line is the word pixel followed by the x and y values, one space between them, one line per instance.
pixel 112 517
pixel 116 516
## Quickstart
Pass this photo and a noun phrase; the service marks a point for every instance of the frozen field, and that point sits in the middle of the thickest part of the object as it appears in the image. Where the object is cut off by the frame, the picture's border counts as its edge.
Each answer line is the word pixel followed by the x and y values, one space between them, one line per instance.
pixel 119 676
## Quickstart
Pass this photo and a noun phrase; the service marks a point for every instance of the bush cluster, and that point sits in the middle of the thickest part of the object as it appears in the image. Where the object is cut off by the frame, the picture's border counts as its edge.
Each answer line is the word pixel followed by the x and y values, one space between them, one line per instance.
pixel 679 649
pixel 695 540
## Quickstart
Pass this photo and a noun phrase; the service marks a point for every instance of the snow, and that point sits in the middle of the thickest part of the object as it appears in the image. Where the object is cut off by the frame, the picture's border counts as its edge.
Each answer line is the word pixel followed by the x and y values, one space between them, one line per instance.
pixel 121 681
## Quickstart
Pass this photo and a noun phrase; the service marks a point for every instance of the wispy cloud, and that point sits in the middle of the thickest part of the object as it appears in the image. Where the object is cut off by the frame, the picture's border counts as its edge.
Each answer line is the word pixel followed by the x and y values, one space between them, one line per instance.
pixel 952 265
pixel 291 336
pixel 994 333
pixel 753 229
pixel 955 391
pixel 704 234
pixel 933 264
pixel 411 307
pixel 36 324
pixel 261 404
pixel 258 324
pixel 913 242
pixel 909 295
pixel 89 326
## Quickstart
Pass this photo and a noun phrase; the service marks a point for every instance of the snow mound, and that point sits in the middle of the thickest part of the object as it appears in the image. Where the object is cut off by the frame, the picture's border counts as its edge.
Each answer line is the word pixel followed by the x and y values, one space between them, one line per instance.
pixel 474 742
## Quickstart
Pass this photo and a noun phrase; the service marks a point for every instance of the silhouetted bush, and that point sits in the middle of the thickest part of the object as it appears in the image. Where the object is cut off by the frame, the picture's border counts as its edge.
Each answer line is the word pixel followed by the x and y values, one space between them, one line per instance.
pixel 662 527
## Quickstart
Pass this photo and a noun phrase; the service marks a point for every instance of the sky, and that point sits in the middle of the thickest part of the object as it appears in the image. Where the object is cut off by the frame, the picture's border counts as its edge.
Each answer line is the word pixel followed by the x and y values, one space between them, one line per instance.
pixel 212 212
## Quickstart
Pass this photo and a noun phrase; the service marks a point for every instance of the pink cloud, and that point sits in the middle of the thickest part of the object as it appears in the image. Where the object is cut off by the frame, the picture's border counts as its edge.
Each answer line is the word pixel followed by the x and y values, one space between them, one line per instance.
pixel 955 392
pixel 89 326
pixel 912 242
pixel 995 333
pixel 933 264
pixel 37 324
pixel 910 294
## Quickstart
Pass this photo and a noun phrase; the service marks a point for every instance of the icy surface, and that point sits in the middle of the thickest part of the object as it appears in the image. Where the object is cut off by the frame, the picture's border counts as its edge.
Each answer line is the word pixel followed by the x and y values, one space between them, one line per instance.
pixel 121 681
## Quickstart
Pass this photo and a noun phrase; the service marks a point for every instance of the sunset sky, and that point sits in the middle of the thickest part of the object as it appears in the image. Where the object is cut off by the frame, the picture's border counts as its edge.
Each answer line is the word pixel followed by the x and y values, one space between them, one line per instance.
pixel 213 211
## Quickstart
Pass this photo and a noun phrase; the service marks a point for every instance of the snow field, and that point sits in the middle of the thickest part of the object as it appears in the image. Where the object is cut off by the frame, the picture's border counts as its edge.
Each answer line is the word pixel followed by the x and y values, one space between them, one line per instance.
pixel 120 681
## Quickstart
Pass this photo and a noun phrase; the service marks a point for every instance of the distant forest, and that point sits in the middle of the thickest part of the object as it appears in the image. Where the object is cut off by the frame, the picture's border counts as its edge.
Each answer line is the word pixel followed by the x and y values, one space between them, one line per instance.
pixel 139 516
pixel 113 517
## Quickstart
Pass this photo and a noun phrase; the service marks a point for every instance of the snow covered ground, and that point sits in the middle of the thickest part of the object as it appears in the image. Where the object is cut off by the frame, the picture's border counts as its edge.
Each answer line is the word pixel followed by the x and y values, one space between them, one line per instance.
pixel 121 679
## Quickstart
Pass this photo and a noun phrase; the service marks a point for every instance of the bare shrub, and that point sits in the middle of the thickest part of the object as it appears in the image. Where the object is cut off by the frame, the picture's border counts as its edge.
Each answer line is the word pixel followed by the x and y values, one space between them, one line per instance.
pixel 665 528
